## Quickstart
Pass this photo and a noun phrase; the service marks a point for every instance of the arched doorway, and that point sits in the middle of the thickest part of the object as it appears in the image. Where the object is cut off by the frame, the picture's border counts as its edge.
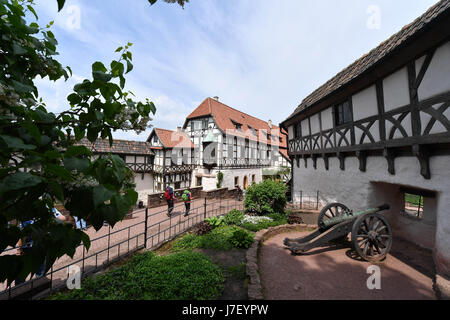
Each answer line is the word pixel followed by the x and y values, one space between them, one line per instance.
pixel 245 183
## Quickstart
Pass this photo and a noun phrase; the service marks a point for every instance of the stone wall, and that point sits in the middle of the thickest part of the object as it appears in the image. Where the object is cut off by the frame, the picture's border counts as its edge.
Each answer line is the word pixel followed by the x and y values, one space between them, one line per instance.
pixel 157 199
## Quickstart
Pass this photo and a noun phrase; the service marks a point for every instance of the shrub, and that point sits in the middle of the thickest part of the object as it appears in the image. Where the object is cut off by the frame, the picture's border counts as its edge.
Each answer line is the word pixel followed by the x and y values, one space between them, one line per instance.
pixel 266 197
pixel 215 222
pixel 181 276
pixel 203 228
pixel 242 239
pixel 234 217
pixel 217 239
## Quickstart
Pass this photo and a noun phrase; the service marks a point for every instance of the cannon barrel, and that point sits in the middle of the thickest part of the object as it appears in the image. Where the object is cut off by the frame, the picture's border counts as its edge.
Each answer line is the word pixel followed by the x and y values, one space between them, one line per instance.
pixel 347 217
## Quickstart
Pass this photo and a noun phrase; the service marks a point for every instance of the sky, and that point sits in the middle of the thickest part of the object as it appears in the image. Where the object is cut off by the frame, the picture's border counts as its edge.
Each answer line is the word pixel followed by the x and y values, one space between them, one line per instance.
pixel 262 57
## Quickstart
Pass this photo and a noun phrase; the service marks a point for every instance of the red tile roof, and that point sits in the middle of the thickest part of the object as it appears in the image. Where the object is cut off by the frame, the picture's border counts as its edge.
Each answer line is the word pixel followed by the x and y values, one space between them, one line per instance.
pixel 172 139
pixel 284 152
pixel 224 116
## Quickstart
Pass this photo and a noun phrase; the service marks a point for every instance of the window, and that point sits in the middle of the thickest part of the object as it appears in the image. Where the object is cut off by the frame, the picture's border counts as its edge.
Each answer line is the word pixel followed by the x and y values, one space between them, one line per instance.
pixel 253 130
pixel 199 181
pixel 413 205
pixel 236 181
pixel 205 123
pixel 237 125
pixel 155 138
pixel 253 178
pixel 297 130
pixel 342 113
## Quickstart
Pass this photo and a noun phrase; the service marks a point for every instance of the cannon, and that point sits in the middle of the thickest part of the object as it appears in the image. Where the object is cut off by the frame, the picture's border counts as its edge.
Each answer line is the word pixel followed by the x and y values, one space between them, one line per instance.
pixel 371 234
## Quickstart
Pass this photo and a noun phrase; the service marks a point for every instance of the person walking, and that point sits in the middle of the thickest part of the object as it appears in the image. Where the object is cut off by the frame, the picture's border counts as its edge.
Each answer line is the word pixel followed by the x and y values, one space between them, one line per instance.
pixel 187 197
pixel 170 198
pixel 239 192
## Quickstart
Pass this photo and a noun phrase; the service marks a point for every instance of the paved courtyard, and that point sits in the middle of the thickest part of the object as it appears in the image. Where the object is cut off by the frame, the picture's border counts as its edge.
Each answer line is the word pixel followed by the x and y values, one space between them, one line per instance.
pixel 334 273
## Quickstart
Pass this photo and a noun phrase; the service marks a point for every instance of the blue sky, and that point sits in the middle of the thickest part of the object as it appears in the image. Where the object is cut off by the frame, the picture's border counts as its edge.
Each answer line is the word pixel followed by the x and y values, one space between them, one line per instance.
pixel 261 57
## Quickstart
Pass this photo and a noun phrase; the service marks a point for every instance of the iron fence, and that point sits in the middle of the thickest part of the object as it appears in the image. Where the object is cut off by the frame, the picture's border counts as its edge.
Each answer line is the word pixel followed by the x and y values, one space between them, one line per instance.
pixel 153 230
pixel 305 200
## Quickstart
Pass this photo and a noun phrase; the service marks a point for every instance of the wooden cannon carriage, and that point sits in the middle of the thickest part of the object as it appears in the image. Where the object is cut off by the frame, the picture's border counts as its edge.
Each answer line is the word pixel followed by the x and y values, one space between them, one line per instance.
pixel 371 233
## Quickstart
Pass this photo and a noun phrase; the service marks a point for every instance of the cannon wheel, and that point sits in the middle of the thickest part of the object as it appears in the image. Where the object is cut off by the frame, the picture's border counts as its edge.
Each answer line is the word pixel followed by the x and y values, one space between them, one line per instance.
pixel 333 210
pixel 372 237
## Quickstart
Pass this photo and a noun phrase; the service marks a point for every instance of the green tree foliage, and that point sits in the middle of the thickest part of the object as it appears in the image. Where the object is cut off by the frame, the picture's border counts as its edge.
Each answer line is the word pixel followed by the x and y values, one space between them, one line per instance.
pixel 41 159
pixel 266 197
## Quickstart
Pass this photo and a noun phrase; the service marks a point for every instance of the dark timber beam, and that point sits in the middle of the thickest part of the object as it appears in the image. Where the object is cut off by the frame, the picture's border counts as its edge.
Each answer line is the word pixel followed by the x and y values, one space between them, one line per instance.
pixel 421 152
pixel 341 158
pixel 389 154
pixel 362 157
pixel 326 161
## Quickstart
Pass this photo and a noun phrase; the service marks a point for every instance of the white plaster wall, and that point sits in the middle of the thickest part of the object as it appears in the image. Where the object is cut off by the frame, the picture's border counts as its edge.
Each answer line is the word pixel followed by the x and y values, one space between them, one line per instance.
pixel 305 127
pixel 143 187
pixel 327 119
pixel 437 77
pixel 374 131
pixel 396 90
pixel 291 132
pixel 228 177
pixel 129 159
pixel 354 189
pixel 365 104
pixel 315 124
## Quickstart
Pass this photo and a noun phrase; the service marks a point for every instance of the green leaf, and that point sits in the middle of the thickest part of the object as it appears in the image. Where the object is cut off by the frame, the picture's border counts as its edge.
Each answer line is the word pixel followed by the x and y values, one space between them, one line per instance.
pixel 21 87
pixel 101 76
pixel 19 180
pixel 101 194
pixel 74 151
pixel 152 2
pixel 98 66
pixel 59 171
pixel 129 66
pixel 61 4
pixel 72 163
pixel 16 143
pixel 74 99
pixel 33 130
pixel 33 11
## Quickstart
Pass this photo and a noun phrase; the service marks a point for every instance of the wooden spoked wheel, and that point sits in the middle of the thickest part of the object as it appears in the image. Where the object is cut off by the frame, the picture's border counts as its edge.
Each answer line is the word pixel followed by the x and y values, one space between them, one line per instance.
pixel 332 210
pixel 372 237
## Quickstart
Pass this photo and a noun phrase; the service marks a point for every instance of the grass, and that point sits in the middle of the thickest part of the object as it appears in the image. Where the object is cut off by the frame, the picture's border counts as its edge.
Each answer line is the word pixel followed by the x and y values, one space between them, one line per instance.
pixel 181 276
pixel 237 272
pixel 413 199
pixel 218 239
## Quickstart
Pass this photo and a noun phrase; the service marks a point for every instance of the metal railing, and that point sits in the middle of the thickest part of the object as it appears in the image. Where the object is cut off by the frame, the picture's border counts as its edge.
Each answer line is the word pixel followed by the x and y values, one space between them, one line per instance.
pixel 305 200
pixel 154 230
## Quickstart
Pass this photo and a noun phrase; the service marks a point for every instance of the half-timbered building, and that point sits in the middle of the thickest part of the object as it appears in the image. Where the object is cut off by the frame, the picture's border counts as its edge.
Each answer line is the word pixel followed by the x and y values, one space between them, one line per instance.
pixel 380 129
pixel 137 155
pixel 174 159
pixel 234 143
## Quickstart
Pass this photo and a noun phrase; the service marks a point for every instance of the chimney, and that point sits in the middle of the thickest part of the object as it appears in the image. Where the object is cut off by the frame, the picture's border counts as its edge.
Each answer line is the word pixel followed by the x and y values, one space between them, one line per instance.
pixel 216 98
pixel 179 129
pixel 270 124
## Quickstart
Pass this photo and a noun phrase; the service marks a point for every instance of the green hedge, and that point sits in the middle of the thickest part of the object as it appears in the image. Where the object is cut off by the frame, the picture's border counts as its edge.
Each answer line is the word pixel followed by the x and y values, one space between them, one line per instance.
pixel 181 276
